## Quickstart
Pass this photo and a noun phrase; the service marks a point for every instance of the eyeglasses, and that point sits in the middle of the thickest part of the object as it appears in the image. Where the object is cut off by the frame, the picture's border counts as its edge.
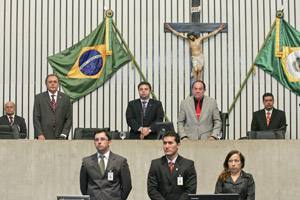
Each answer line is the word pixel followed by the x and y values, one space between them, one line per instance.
pixel 100 139
pixel 236 161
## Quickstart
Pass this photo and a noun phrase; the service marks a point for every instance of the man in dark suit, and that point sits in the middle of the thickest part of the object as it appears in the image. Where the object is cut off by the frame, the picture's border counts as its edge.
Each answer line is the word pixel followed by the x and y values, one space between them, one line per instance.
pixel 142 113
pixel 52 112
pixel 171 176
pixel 268 118
pixel 10 118
pixel 105 175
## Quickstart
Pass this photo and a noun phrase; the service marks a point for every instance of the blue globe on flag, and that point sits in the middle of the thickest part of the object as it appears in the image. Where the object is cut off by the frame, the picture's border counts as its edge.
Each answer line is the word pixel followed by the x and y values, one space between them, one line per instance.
pixel 90 62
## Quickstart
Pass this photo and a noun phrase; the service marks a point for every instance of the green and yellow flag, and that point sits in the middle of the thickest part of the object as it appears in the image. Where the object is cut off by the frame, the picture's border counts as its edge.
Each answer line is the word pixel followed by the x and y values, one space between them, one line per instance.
pixel 280 55
pixel 88 64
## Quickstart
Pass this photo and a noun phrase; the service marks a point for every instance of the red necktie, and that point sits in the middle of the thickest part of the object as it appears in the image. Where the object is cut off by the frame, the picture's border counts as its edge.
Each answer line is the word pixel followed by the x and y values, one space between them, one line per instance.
pixel 268 118
pixel 11 120
pixel 171 167
pixel 198 109
pixel 53 103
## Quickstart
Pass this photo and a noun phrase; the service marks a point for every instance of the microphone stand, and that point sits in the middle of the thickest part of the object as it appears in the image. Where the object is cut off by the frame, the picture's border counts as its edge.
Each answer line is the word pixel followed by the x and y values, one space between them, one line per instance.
pixel 207 131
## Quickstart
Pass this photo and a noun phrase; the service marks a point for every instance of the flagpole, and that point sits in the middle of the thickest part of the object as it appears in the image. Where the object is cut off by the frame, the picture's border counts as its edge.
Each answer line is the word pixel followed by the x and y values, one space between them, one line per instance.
pixel 251 70
pixel 136 65
pixel 133 59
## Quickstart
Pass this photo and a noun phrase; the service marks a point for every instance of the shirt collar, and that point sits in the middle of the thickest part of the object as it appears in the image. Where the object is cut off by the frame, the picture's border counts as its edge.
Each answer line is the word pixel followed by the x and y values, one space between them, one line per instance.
pixel 196 100
pixel 13 116
pixel 270 111
pixel 50 94
pixel 173 161
pixel 106 155
pixel 145 100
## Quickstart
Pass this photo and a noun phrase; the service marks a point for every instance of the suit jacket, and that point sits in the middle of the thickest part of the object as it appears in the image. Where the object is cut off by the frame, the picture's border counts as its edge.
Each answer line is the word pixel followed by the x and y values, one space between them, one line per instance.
pixel 259 120
pixel 163 186
pixel 19 121
pixel 135 118
pixel 49 122
pixel 98 187
pixel 209 123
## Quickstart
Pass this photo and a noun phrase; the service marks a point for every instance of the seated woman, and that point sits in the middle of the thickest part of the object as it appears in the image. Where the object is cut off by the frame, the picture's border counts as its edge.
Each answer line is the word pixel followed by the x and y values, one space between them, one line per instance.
pixel 233 179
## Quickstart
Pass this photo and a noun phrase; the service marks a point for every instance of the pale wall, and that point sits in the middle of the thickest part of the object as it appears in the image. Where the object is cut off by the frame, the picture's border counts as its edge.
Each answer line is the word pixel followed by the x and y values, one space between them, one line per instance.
pixel 34 170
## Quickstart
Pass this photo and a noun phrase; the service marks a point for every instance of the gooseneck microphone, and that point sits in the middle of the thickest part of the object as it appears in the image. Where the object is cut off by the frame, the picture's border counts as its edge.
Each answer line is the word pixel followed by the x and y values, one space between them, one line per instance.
pixel 207 131
pixel 281 128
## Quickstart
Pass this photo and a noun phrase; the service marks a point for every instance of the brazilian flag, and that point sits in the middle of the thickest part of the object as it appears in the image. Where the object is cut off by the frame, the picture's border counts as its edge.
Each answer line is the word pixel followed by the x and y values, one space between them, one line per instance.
pixel 88 64
pixel 280 55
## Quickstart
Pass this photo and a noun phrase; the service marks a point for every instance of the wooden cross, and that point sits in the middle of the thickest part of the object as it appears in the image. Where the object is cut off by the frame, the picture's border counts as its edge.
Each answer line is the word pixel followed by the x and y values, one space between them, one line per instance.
pixel 191 32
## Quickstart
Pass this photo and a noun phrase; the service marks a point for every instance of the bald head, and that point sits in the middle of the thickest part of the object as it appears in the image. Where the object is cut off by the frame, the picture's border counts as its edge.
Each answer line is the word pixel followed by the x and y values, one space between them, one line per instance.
pixel 9 108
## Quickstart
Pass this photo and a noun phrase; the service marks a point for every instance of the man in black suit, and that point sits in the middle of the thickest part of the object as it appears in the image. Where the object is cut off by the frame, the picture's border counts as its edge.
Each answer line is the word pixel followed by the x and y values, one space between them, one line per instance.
pixel 171 176
pixel 105 175
pixel 268 118
pixel 10 118
pixel 52 112
pixel 142 113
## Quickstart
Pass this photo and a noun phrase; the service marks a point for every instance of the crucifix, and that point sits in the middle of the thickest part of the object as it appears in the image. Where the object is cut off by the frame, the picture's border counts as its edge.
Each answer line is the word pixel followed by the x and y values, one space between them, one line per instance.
pixel 191 32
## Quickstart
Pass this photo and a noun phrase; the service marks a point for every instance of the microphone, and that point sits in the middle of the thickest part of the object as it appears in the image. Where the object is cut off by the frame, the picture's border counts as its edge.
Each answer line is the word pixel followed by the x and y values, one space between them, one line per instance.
pixel 207 131
pixel 161 133
pixel 281 128
pixel 278 133
pixel 16 130
pixel 17 127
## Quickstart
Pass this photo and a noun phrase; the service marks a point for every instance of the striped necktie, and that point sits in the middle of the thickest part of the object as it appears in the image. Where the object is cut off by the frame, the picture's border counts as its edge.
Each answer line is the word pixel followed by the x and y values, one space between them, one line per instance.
pixel 11 120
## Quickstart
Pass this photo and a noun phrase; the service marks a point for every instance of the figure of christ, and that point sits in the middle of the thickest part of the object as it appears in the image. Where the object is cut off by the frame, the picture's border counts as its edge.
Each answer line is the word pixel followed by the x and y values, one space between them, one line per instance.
pixel 195 42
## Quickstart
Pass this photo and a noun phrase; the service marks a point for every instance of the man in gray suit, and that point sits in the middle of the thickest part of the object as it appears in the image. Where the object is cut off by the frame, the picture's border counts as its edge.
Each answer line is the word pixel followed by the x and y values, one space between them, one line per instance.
pixel 199 116
pixel 52 112
pixel 105 175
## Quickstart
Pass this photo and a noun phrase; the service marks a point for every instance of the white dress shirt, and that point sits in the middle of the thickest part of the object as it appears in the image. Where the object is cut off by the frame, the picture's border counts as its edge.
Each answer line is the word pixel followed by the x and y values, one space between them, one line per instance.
pixel 105 157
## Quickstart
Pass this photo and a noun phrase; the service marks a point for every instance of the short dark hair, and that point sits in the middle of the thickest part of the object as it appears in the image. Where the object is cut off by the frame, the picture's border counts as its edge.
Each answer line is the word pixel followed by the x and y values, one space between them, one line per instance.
pixel 49 76
pixel 103 131
pixel 199 81
pixel 268 94
pixel 144 83
pixel 172 134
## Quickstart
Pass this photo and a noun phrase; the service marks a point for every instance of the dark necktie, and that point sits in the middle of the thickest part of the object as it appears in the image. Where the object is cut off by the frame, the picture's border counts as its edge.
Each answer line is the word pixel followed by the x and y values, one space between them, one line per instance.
pixel 144 107
pixel 11 121
pixel 198 109
pixel 101 165
pixel 53 103
pixel 171 167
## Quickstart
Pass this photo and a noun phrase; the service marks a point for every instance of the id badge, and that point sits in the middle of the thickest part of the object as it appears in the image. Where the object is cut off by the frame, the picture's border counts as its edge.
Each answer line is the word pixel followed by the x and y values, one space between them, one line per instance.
pixel 110 176
pixel 179 180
